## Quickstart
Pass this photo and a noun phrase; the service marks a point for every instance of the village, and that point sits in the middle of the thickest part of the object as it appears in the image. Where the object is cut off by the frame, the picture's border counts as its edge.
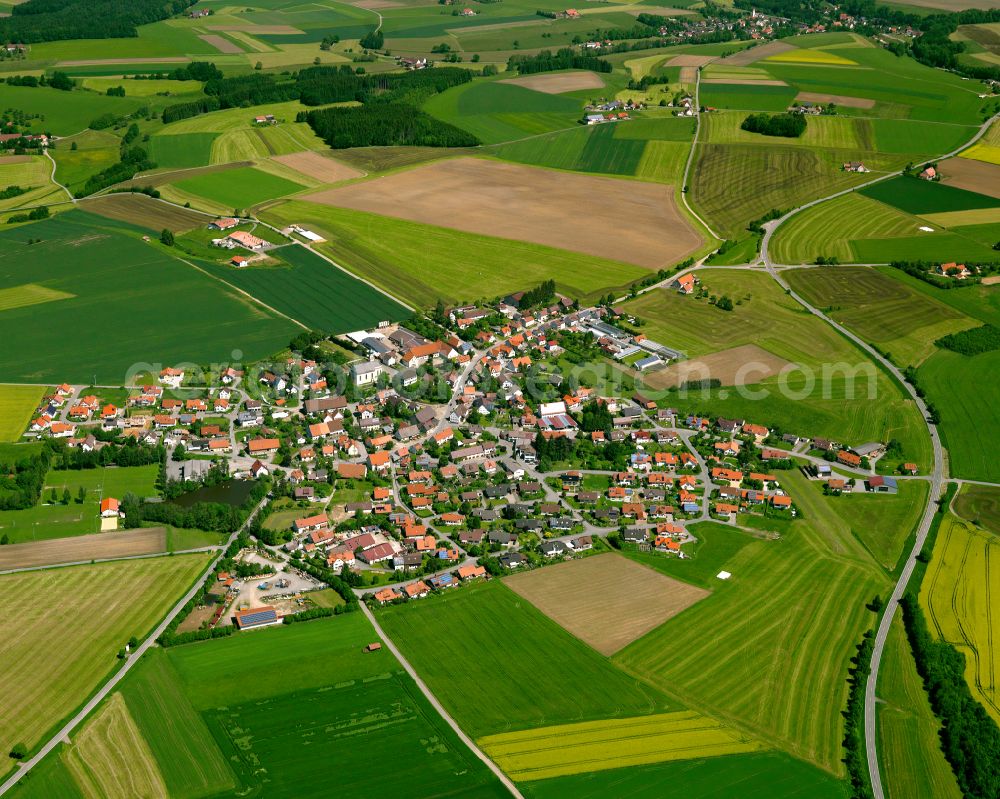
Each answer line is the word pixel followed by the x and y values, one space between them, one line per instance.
pixel 457 453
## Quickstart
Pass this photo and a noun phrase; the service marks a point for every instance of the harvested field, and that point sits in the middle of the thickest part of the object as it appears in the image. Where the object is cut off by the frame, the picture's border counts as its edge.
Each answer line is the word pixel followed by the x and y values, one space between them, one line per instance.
pixel 633 599
pixel 839 99
pixel 313 165
pixel 29 294
pixel 220 43
pixel 97 546
pixel 689 74
pixel 15 159
pixel 745 82
pixel 978 176
pixel 273 30
pixel 991 281
pixel 615 743
pixel 142 210
pixel 558 82
pixel 372 5
pixel 753 54
pixel 974 216
pixel 690 60
pixel 738 366
pixel 625 220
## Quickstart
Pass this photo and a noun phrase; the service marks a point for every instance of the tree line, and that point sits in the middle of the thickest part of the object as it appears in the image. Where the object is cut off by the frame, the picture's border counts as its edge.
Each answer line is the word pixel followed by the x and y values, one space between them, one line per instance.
pixel 55 20
pixel 564 58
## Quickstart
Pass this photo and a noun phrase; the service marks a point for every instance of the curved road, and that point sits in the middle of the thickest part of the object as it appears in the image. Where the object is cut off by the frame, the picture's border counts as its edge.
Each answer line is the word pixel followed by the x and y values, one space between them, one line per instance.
pixel 937 474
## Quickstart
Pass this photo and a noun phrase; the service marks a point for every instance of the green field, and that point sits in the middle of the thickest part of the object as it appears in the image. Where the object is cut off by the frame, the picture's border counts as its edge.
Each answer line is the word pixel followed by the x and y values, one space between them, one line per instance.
pixel 418 262
pixel 754 776
pixel 63 113
pixel 238 188
pixel 33 175
pixel 837 132
pixel 880 309
pixel 95 150
pixel 961 389
pixel 746 97
pixel 717 545
pixel 502 676
pixel 499 112
pixel 908 136
pixel 765 651
pixel 17 405
pixel 910 750
pixel 916 196
pixel 171 311
pixel 183 150
pixel 980 505
pixel 957 594
pixel 48 520
pixel 313 291
pixel 98 608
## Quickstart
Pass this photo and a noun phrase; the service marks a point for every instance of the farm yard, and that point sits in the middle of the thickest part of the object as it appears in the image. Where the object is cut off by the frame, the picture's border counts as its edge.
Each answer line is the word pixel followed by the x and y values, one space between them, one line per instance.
pixel 958 596
pixel 17 404
pixel 637 223
pixel 100 607
pixel 172 312
pixel 503 634
pixel 633 601
pixel 616 743
pixel 417 262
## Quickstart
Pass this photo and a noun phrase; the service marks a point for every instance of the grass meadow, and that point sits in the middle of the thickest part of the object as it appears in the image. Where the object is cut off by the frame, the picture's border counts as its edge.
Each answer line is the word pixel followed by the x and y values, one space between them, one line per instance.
pixel 63 113
pixel 221 718
pixel 957 596
pixel 980 505
pixel 777 650
pixel 501 677
pixel 762 775
pixel 17 405
pixel 33 175
pixel 95 151
pixel 182 151
pixel 238 188
pixel 86 613
pixel 421 263
pixel 915 196
pixel 716 546
pixel 908 743
pixel 171 312
pixel 313 291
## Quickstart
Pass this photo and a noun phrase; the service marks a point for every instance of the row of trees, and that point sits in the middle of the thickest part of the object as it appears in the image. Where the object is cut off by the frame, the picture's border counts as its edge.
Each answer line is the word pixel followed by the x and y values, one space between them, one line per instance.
pixel 564 58
pixel 55 20
pixel 132 160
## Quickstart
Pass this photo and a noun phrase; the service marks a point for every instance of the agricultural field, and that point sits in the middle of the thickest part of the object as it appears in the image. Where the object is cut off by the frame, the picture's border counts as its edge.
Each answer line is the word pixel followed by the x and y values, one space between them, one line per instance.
pixel 17 405
pixel 417 262
pixel 762 775
pixel 184 723
pixel 635 222
pixel 97 261
pixel 182 151
pixel 912 761
pixel 957 594
pixel 632 602
pixel 616 743
pixel 504 635
pixel 31 172
pixel 980 505
pixel 95 150
pixel 969 419
pixel 777 650
pixel 63 113
pixel 95 546
pixel 880 309
pixel 99 608
pixel 975 176
pixel 923 197
pixel 765 316
pixel 238 188
pixel 313 291
pixel 143 211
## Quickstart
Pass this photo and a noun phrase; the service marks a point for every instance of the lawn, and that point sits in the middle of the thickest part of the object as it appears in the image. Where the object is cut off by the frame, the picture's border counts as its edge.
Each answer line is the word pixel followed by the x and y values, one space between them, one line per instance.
pixel 908 744
pixel 962 389
pixel 500 677
pixel 313 291
pixel 57 520
pixel 764 775
pixel 957 594
pixel 421 263
pixel 86 613
pixel 767 651
pixel 172 312
pixel 238 188
pixel 17 405
pixel 916 196
pixel 898 319
pixel 980 505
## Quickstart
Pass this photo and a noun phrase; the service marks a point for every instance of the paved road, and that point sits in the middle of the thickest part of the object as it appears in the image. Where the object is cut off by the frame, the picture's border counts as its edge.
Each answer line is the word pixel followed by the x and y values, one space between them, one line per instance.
pixel 691 152
pixel 439 707
pixel 133 658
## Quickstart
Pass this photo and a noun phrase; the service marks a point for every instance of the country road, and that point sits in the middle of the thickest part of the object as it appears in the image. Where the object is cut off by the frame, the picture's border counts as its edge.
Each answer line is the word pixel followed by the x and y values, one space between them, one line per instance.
pixel 508 783
pixel 937 473
pixel 130 661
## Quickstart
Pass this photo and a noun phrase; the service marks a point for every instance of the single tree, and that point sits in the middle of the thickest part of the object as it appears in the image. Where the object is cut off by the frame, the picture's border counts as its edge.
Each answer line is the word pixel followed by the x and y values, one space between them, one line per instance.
pixel 167 237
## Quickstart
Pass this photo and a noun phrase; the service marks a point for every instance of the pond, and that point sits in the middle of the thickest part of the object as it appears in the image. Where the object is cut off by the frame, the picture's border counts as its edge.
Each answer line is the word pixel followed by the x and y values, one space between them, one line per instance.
pixel 232 492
